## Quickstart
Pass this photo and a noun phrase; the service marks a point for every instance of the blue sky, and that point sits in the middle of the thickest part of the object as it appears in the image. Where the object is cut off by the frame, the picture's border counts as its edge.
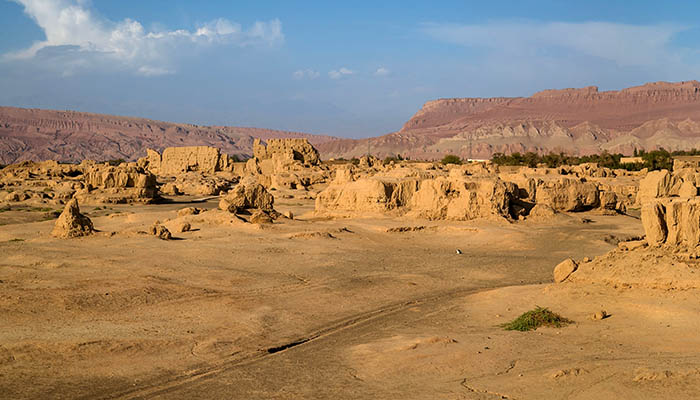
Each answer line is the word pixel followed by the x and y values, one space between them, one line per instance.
pixel 351 69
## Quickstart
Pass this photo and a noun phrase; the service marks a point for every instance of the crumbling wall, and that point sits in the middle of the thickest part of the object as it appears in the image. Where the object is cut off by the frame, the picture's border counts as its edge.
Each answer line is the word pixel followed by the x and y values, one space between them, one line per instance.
pixel 286 151
pixel 436 198
pixel 177 160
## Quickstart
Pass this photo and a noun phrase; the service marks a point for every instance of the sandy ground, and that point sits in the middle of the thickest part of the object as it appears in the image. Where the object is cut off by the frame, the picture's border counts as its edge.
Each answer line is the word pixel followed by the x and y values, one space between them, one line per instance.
pixel 312 308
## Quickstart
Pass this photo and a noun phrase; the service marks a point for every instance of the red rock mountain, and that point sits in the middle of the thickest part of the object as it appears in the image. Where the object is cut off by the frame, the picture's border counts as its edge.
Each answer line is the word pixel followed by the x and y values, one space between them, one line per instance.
pixel 32 134
pixel 577 121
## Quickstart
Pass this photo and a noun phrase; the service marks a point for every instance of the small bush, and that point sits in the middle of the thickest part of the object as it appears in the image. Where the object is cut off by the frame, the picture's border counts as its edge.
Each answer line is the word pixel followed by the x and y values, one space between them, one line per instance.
pixel 16 240
pixel 396 158
pixel 534 319
pixel 451 159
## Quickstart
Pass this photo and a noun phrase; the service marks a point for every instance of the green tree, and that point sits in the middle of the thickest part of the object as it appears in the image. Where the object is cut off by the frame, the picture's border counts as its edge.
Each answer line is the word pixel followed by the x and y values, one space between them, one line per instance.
pixel 451 159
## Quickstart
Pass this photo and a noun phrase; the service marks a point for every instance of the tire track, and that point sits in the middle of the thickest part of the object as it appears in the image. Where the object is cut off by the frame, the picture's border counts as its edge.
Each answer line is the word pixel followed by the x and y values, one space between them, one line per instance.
pixel 160 387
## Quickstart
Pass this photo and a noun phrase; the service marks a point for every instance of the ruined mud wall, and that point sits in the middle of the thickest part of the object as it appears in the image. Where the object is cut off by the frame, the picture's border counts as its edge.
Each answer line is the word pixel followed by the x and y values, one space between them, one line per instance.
pixel 177 160
pixel 286 150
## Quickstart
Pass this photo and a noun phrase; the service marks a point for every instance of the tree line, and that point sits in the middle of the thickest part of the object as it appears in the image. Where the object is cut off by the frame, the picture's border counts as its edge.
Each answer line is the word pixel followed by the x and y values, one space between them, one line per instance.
pixel 653 160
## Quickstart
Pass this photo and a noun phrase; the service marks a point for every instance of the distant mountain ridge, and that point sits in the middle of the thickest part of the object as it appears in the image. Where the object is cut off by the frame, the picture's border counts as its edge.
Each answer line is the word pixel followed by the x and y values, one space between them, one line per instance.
pixel 35 134
pixel 577 121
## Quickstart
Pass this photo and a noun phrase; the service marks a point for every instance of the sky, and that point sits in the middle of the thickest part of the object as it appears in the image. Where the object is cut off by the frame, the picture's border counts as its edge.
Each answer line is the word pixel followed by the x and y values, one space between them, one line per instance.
pixel 351 69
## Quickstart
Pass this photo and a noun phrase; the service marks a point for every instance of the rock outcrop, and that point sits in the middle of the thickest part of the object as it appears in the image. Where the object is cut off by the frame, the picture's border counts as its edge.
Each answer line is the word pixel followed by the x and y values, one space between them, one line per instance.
pixel 248 194
pixel 71 223
pixel 462 198
pixel 475 190
pixel 160 231
pixel 90 182
pixel 118 184
pixel 291 164
pixel 564 269
pixel 366 195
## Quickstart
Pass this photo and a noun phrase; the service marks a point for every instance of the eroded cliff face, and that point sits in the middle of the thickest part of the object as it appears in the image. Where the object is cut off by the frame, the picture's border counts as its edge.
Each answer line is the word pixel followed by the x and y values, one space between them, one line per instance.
pixel 579 121
pixel 32 134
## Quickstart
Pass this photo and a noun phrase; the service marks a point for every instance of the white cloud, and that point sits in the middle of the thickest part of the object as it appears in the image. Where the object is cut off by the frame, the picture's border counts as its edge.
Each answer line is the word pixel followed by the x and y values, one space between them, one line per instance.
pixel 381 71
pixel 72 23
pixel 623 44
pixel 154 71
pixel 339 73
pixel 305 73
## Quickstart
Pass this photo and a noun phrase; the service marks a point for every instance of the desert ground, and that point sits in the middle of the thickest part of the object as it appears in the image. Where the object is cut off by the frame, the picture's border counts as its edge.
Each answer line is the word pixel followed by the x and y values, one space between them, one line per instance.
pixel 328 296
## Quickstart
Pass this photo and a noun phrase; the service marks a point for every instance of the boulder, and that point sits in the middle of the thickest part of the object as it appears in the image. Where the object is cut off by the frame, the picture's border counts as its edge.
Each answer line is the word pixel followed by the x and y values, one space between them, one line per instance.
pixel 368 161
pixel 183 227
pixel 542 211
pixel 170 189
pixel 564 269
pixel 247 194
pixel 71 223
pixel 189 211
pixel 160 231
pixel 260 217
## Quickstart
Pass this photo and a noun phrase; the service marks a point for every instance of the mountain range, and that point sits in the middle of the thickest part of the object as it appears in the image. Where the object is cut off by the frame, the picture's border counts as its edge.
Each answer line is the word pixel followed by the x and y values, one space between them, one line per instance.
pixel 574 121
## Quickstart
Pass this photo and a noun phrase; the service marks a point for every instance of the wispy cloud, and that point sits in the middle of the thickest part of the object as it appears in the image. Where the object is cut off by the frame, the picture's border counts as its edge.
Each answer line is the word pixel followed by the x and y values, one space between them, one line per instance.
pixel 72 24
pixel 626 45
pixel 522 57
pixel 381 71
pixel 305 74
pixel 339 73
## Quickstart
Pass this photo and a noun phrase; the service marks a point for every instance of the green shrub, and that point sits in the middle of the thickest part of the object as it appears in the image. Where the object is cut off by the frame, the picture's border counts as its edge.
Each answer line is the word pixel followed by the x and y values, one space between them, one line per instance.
pixel 534 319
pixel 451 159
